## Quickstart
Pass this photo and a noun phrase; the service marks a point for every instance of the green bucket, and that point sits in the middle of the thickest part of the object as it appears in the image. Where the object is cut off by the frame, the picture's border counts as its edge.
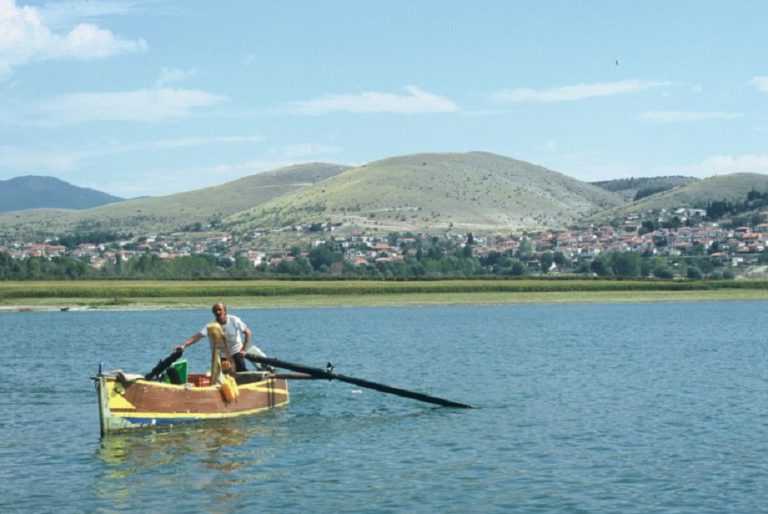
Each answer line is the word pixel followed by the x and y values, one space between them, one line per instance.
pixel 179 367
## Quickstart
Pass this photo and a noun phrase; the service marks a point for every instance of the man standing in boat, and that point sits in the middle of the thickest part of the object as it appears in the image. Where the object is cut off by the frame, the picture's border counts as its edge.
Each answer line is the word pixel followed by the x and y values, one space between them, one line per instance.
pixel 237 336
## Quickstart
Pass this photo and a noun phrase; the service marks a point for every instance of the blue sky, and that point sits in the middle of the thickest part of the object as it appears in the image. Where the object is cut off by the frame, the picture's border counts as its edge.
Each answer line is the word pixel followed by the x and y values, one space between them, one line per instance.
pixel 152 97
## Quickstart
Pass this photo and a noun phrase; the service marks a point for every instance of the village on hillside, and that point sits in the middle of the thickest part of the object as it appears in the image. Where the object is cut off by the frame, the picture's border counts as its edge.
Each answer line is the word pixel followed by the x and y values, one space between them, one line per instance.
pixel 669 234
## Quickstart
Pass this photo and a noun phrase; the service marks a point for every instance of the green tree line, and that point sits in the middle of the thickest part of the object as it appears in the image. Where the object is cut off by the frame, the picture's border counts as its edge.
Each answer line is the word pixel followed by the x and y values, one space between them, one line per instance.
pixel 754 200
pixel 327 260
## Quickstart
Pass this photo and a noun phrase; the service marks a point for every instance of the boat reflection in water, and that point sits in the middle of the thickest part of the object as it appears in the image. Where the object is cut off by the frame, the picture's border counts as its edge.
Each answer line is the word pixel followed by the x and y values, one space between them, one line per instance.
pixel 220 452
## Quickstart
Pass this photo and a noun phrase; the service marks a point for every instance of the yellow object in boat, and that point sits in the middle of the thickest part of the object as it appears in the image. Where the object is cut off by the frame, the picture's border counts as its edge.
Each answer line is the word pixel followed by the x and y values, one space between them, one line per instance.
pixel 229 388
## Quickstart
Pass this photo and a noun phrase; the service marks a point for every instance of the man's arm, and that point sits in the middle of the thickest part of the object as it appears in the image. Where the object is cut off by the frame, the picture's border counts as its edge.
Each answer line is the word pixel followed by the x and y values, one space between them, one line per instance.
pixel 246 339
pixel 189 342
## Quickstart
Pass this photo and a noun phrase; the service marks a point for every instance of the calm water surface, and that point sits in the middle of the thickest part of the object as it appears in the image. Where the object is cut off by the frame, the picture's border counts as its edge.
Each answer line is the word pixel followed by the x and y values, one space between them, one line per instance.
pixel 582 408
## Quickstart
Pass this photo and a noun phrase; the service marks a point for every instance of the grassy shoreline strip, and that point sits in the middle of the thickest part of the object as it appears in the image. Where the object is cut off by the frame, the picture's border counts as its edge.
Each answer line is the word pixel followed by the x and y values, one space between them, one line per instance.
pixel 121 290
pixel 160 289
pixel 386 300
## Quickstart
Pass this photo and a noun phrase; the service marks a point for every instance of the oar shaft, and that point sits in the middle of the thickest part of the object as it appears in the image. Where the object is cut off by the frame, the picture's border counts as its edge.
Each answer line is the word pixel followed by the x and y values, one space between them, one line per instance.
pixel 320 373
pixel 294 376
pixel 400 392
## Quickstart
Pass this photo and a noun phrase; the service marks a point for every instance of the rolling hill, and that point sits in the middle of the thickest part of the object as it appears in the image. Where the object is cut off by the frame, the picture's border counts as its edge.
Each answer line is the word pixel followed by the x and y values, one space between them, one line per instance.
pixel 474 191
pixel 32 192
pixel 733 188
pixel 173 212
pixel 468 191
pixel 628 188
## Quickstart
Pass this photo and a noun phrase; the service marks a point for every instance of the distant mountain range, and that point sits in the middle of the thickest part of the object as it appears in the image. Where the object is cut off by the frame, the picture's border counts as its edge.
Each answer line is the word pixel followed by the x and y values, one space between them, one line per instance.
pixel 475 191
pixel 32 192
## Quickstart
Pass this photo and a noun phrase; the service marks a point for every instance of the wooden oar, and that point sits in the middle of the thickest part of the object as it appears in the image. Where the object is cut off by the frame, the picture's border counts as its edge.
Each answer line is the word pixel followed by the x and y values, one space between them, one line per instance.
pixel 330 375
pixel 163 365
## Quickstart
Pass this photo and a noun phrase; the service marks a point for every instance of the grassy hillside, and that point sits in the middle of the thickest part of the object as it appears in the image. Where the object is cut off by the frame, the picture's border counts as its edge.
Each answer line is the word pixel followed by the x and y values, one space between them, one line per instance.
pixel 470 191
pixel 475 191
pixel 173 212
pixel 628 188
pixel 733 187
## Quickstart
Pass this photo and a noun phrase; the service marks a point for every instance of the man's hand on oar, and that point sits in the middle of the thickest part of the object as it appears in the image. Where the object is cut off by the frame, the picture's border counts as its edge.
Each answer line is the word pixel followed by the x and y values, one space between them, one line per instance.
pixel 164 364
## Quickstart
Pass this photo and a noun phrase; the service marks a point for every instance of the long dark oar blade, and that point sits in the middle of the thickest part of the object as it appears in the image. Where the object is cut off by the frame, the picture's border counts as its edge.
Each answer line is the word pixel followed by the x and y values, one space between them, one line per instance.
pixel 320 373
pixel 163 365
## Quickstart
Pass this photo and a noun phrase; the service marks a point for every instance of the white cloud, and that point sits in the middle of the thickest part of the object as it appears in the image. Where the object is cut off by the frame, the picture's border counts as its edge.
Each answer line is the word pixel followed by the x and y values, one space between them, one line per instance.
pixel 164 181
pixel 172 76
pixel 23 160
pixel 25 37
pixel 302 151
pixel 685 116
pixel 69 12
pixel 47 161
pixel 415 102
pixel 576 92
pixel 549 146
pixel 142 105
pixel 188 142
pixel 741 163
pixel 723 164
pixel 165 144
pixel 761 83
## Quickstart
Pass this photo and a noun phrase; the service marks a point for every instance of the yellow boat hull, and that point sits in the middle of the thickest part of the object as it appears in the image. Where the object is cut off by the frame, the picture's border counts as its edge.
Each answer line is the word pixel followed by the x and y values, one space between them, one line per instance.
pixel 129 404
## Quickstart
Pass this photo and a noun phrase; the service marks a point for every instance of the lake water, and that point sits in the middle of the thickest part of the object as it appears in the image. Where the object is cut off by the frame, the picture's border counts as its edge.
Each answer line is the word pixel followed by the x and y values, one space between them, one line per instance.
pixel 582 408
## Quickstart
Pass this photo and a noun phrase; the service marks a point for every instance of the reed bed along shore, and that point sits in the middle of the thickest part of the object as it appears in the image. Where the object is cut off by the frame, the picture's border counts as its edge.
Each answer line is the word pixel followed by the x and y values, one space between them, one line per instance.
pixel 279 293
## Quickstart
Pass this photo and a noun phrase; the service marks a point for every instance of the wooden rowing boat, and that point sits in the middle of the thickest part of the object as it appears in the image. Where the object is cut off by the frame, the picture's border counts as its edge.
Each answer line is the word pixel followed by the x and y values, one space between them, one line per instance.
pixel 167 395
pixel 131 401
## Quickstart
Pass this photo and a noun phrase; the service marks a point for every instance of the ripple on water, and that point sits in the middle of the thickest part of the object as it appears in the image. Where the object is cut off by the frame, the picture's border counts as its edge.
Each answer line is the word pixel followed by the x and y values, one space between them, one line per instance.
pixel 583 408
